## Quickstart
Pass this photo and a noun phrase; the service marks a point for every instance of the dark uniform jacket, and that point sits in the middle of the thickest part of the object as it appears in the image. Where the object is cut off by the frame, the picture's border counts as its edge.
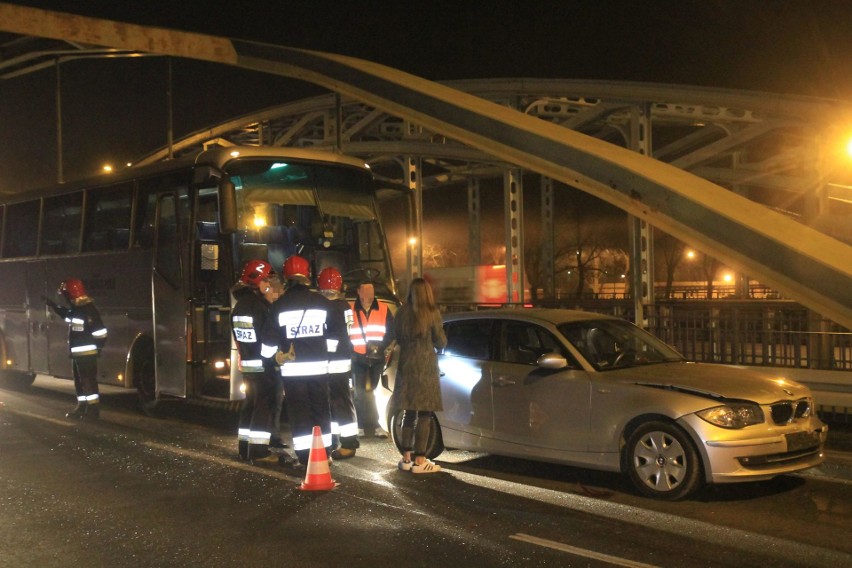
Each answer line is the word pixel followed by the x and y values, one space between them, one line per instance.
pixel 247 320
pixel 314 328
pixel 86 332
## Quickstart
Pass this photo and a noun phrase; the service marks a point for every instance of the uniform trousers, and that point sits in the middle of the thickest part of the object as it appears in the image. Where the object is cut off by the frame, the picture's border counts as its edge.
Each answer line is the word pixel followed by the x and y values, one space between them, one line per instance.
pixel 85 370
pixel 344 420
pixel 366 374
pixel 307 406
pixel 258 411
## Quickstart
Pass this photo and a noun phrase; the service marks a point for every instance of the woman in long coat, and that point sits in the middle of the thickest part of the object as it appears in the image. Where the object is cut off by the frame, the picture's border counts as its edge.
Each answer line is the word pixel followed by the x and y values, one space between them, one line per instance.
pixel 419 332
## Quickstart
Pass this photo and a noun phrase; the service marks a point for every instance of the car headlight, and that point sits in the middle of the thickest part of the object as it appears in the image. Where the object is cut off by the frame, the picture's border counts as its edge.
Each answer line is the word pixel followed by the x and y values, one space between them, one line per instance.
pixel 733 415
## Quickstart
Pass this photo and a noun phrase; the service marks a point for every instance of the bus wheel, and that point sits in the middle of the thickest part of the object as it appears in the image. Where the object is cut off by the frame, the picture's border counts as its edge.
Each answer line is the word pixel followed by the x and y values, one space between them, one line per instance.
pixel 18 380
pixel 144 378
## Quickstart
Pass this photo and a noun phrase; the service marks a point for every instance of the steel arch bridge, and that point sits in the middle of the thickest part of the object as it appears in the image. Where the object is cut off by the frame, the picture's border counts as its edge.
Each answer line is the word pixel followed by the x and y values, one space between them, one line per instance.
pixel 708 166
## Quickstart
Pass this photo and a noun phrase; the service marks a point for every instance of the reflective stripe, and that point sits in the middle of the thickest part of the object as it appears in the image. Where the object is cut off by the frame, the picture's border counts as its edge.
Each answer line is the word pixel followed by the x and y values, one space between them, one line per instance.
pixel 251 366
pixel 331 345
pixel 303 323
pixel 243 319
pixel 81 398
pixel 306 442
pixel 267 351
pixel 93 398
pixel 335 428
pixel 302 442
pixel 339 366
pixel 349 430
pixel 304 369
pixel 259 437
pixel 243 434
pixel 100 333
pixel 85 348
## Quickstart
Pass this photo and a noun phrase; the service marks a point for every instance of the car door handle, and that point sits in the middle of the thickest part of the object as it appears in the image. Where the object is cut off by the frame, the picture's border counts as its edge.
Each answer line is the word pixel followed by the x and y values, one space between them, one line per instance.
pixel 502 382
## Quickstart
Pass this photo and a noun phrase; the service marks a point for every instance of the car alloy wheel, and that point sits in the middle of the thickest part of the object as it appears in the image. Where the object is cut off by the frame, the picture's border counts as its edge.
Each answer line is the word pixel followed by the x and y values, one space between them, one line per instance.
pixel 662 462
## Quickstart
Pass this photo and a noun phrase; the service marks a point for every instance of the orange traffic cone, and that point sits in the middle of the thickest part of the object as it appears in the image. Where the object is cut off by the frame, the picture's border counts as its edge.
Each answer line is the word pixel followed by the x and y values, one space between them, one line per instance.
pixel 318 475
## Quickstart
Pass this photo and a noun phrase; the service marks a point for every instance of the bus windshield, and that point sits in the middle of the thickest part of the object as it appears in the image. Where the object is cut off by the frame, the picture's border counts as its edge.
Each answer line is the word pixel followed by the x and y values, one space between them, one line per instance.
pixel 324 212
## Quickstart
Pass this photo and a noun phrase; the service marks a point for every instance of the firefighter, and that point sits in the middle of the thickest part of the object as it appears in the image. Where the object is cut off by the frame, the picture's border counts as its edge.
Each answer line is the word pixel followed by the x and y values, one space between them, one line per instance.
pixel 254 295
pixel 371 335
pixel 303 335
pixel 86 337
pixel 344 421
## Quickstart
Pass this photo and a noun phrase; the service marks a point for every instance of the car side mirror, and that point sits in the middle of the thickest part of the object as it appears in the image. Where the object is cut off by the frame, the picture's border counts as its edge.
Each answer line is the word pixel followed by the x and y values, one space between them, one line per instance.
pixel 552 361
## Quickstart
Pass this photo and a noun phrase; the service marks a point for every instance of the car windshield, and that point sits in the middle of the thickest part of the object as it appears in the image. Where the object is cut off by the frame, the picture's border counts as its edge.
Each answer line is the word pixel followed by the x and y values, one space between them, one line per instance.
pixel 612 344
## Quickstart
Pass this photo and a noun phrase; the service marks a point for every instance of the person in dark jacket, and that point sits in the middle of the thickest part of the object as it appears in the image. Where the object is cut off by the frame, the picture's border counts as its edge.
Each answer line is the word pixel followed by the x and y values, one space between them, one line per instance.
pixel 86 337
pixel 254 295
pixel 418 331
pixel 303 335
pixel 344 420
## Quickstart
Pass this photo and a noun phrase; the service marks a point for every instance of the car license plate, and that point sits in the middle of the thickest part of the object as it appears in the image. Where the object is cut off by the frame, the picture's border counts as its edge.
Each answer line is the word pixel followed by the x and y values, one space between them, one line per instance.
pixel 801 440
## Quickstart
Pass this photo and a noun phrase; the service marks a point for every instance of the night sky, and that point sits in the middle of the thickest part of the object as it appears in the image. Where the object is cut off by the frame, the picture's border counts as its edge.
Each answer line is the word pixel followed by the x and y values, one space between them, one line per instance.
pixel 115 111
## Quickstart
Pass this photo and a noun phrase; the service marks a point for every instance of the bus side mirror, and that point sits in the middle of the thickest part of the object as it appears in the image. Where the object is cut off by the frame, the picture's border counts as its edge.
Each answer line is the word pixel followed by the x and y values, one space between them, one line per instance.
pixel 227 206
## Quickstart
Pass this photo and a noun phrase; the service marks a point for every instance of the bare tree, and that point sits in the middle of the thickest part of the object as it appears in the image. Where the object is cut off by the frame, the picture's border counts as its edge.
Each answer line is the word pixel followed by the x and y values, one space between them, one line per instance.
pixel 670 253
pixel 709 267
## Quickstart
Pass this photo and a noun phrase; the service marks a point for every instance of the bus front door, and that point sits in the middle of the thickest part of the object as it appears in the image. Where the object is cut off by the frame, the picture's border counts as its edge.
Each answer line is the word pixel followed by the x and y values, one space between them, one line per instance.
pixel 169 301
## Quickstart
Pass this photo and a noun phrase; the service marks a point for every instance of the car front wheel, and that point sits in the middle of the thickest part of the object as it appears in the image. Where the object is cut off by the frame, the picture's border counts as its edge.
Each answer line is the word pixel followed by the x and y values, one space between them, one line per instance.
pixel 662 461
pixel 435 444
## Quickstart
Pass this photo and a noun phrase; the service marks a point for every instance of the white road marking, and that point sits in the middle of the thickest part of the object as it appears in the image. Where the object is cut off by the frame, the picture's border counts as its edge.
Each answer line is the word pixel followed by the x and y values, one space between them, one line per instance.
pixel 66 423
pixel 617 560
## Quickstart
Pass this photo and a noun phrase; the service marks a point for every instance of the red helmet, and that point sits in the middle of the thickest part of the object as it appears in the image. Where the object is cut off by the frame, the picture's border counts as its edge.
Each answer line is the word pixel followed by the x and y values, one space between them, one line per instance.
pixel 297 268
pixel 71 288
pixel 330 279
pixel 254 272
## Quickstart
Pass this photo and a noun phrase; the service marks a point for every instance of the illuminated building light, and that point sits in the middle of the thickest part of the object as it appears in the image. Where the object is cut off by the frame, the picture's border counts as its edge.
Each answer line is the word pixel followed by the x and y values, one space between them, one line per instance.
pixel 120 378
pixel 243 388
pixel 219 364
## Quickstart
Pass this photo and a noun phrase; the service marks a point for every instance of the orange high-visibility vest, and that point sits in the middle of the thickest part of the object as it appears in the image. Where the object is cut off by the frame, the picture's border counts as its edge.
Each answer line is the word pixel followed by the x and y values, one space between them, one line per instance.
pixel 374 326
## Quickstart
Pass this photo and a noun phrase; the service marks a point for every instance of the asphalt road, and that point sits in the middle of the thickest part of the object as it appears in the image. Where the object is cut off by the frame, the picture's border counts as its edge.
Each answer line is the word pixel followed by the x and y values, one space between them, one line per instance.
pixel 167 490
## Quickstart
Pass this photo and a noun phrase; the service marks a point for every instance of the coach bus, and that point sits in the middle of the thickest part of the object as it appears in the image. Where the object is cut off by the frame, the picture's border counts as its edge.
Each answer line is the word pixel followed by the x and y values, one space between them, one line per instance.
pixel 159 247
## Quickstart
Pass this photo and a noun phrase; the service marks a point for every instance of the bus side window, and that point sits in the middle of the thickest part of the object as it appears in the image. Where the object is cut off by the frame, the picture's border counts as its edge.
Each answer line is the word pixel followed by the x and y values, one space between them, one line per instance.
pixel 60 229
pixel 146 208
pixel 107 218
pixel 22 229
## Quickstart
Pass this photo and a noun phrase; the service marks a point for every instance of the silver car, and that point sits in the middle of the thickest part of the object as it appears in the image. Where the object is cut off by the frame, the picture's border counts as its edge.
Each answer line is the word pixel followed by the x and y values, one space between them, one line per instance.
pixel 595 391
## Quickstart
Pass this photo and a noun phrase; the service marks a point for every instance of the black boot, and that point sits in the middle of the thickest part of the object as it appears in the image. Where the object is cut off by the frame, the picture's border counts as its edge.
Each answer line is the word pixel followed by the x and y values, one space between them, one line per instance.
pixel 79 412
pixel 243 449
pixel 93 412
pixel 259 453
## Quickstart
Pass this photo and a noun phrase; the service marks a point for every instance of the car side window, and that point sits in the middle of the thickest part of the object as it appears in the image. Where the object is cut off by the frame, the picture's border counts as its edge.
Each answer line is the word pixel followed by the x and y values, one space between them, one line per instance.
pixel 469 338
pixel 524 343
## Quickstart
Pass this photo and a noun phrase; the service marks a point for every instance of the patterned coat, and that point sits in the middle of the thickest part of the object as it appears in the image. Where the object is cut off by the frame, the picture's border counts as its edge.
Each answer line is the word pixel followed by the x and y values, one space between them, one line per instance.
pixel 417 385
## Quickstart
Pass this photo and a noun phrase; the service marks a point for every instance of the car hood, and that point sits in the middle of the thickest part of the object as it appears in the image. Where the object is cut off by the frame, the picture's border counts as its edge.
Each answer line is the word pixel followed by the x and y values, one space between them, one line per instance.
pixel 717 382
